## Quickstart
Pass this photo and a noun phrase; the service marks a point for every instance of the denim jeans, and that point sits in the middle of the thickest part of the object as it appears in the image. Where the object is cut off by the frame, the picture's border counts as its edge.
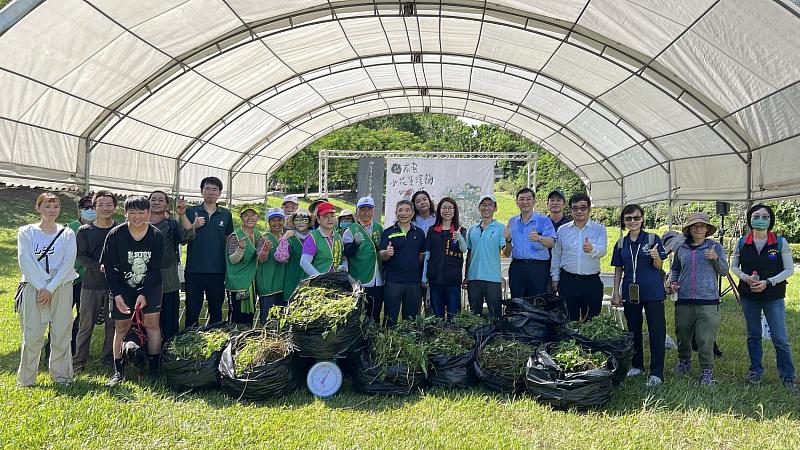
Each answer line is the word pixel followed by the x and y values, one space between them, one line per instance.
pixel 445 296
pixel 775 312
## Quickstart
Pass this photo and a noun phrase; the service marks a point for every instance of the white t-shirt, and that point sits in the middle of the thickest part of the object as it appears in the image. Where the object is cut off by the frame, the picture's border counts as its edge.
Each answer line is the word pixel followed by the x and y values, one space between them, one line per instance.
pixel 60 259
pixel 55 256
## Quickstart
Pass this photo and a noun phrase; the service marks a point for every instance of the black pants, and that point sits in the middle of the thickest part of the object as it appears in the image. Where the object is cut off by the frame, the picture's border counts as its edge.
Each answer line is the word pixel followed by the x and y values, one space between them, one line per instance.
pixel 374 302
pixel 529 278
pixel 76 301
pixel 212 285
pixel 479 291
pixel 656 331
pixel 170 314
pixel 235 314
pixel 397 296
pixel 582 293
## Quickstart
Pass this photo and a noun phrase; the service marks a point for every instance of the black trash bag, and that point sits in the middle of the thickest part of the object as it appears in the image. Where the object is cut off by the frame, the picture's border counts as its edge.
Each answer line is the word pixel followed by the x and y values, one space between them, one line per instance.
pixel 549 384
pixel 621 349
pixel 453 371
pixel 315 340
pixel 185 374
pixel 394 380
pixel 538 318
pixel 498 381
pixel 261 382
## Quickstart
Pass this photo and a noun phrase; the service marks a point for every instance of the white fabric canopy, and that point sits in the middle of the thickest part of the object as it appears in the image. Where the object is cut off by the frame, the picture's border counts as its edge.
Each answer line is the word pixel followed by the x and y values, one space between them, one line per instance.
pixel 646 101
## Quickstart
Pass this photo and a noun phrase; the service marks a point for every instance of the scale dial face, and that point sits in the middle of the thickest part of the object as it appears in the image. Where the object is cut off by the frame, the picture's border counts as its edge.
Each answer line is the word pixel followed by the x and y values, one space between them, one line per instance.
pixel 324 379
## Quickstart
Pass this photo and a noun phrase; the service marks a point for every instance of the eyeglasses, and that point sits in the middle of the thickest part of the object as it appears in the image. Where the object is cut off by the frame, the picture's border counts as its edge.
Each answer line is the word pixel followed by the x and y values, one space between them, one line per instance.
pixel 633 218
pixel 448 208
pixel 756 217
pixel 302 220
pixel 580 208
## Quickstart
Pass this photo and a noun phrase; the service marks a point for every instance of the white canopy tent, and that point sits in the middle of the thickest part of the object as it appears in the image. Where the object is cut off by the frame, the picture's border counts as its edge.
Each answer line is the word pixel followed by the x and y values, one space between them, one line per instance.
pixel 646 101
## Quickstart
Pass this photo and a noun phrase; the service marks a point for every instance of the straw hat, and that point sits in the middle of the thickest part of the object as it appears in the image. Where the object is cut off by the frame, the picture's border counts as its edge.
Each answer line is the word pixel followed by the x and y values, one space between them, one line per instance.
pixel 699 217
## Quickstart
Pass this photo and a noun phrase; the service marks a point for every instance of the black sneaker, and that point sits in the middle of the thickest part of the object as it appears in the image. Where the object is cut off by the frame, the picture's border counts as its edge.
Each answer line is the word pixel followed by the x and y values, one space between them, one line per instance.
pixel 790 386
pixel 754 378
pixel 115 380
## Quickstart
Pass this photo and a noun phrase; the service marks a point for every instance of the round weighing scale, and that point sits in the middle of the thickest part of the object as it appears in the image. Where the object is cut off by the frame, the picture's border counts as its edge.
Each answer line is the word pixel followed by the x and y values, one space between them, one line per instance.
pixel 324 379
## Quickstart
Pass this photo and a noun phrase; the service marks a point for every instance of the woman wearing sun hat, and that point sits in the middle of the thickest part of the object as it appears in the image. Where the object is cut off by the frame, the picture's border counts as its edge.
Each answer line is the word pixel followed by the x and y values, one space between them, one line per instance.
pixel 271 273
pixel 290 249
pixel 697 264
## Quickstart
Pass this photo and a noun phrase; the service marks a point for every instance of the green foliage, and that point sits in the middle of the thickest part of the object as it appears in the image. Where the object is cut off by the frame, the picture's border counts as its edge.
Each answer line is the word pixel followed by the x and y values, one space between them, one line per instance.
pixel 198 345
pixel 787 220
pixel 571 357
pixel 318 305
pixel 795 252
pixel 506 357
pixel 451 341
pixel 403 344
pixel 465 318
pixel 258 350
pixel 600 328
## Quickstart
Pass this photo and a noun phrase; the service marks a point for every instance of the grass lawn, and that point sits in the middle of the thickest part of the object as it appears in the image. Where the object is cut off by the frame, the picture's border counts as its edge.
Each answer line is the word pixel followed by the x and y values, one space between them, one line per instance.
pixel 680 414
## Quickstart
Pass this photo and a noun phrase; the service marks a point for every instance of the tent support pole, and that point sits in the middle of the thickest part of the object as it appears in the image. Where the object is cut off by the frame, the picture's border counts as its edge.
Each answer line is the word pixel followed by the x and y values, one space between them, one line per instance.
pixel 87 162
pixel 230 188
pixel 670 199
pixel 176 187
pixel 266 190
pixel 749 179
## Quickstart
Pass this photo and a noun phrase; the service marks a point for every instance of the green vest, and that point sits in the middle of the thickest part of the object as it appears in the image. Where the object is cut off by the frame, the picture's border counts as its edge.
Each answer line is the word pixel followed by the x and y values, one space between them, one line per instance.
pixel 271 274
pixel 362 265
pixel 294 273
pixel 239 277
pixel 327 258
pixel 74 225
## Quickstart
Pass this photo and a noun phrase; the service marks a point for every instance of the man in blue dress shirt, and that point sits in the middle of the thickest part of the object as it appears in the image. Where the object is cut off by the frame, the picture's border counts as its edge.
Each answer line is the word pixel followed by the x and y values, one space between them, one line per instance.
pixel 529 236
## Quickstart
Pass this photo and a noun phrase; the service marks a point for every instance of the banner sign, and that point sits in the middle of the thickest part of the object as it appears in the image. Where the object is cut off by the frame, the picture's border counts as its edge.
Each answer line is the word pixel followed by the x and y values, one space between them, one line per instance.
pixel 465 180
pixel 370 181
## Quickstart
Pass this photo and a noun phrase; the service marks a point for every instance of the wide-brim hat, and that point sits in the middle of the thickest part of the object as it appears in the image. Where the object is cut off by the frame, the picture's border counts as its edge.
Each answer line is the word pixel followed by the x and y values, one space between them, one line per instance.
pixel 699 217
pixel 345 213
pixel 672 240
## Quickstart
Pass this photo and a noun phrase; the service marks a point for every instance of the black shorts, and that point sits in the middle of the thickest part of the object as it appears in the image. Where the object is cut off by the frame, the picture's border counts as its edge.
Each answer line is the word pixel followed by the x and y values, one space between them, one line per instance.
pixel 153 305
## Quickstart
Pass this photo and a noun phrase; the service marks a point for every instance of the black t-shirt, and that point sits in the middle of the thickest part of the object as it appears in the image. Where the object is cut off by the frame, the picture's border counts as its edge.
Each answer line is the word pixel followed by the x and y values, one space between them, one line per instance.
pixel 133 267
pixel 90 239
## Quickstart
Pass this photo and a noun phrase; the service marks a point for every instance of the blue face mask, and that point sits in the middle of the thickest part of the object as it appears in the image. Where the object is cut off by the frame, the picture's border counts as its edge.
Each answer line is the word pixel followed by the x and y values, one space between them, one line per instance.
pixel 88 215
pixel 760 224
pixel 345 224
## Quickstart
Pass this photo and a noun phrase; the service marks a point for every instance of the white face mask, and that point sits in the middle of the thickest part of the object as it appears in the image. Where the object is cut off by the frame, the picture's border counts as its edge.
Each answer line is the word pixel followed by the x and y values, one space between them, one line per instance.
pixel 89 215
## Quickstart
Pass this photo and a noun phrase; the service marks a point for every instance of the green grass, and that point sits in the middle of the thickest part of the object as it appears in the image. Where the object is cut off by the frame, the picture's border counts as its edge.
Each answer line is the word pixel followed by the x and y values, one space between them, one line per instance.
pixel 141 414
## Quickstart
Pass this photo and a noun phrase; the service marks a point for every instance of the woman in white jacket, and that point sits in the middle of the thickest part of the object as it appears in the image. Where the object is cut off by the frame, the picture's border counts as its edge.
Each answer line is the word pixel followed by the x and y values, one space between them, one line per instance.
pixel 46 253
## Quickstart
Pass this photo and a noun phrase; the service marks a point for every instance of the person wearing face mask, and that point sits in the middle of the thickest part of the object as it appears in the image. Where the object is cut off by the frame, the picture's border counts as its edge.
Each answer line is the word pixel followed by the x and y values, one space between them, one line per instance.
pixel 346 218
pixel 763 261
pixel 696 265
pixel 361 241
pixel 290 250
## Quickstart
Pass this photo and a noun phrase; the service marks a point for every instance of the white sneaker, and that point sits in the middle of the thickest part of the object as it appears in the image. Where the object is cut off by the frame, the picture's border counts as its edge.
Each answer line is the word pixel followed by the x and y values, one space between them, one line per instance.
pixel 653 381
pixel 634 372
pixel 669 344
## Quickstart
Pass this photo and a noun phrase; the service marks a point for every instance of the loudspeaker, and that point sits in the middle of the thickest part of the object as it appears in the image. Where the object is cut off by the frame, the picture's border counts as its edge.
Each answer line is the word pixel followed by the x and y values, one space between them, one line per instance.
pixel 723 208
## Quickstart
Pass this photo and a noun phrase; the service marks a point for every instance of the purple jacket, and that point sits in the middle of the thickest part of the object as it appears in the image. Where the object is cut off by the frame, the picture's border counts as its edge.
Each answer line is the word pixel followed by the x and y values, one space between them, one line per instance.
pixel 696 275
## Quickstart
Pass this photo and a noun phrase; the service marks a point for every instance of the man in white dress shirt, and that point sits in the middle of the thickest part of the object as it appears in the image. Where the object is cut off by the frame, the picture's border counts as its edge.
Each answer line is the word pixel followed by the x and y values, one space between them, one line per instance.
pixel 575 267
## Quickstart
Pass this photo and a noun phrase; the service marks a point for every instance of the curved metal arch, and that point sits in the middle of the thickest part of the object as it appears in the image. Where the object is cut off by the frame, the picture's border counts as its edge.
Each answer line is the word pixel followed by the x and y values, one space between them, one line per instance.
pixel 258 148
pixel 244 154
pixel 250 29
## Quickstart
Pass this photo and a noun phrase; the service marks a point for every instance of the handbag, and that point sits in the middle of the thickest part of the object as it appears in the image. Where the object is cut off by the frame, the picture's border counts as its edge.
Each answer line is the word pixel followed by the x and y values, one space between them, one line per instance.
pixel 22 284
pixel 135 342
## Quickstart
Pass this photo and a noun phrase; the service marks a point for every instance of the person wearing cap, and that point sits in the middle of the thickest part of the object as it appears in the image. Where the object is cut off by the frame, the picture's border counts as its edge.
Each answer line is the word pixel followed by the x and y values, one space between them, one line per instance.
pixel 556 203
pixel 484 273
pixel 241 266
pixel 289 204
pixel 579 247
pixel 361 240
pixel 344 220
pixel 529 237
pixel 312 208
pixel 206 254
pixel 763 261
pixel 696 265
pixel 402 251
pixel 290 250
pixel 271 273
pixel 324 252
pixel 446 248
pixel 637 259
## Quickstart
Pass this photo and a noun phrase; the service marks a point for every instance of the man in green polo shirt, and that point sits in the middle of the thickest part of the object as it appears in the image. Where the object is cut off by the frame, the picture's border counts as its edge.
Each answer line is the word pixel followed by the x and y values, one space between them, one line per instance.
pixel 205 255
pixel 361 240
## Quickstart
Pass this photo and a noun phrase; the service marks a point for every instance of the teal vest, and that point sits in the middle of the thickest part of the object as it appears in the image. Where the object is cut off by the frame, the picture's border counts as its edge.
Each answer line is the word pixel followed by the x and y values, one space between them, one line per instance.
pixel 240 276
pixel 271 274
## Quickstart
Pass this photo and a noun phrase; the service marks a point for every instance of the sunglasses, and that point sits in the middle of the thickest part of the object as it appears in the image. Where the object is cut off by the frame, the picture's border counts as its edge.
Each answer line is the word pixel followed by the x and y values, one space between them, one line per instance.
pixel 633 218
pixel 580 208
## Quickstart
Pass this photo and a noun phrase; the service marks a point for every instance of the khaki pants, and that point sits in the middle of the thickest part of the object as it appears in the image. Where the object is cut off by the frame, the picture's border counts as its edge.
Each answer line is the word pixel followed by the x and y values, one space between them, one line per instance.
pixel 703 322
pixel 34 319
pixel 91 302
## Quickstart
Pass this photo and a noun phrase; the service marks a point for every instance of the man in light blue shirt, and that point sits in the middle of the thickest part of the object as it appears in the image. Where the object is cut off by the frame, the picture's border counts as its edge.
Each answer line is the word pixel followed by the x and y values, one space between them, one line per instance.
pixel 575 268
pixel 485 240
pixel 528 237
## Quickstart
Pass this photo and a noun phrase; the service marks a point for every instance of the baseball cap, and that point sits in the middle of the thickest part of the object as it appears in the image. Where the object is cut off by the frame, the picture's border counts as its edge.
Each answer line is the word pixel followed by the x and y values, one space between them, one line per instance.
pixel 275 212
pixel 557 192
pixel 325 208
pixel 291 199
pixel 490 197
pixel 246 208
pixel 365 201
